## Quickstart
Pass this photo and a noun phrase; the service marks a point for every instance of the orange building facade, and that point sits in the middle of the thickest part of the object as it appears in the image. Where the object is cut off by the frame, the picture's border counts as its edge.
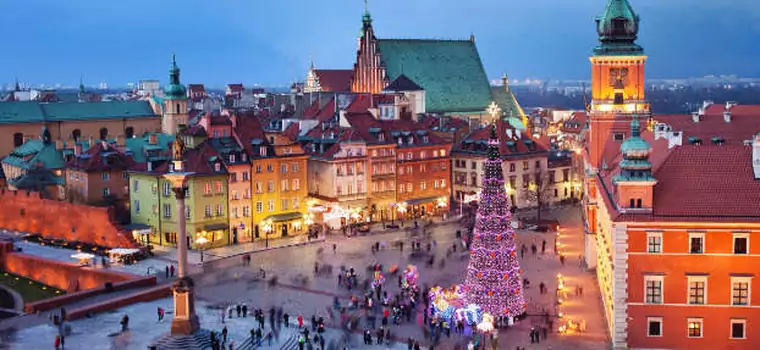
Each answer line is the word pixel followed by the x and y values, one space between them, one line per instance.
pixel 422 178
pixel 673 229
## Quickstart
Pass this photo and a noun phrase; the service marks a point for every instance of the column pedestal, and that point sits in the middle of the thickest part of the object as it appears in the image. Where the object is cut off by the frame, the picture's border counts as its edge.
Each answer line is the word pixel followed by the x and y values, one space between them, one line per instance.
pixel 185 320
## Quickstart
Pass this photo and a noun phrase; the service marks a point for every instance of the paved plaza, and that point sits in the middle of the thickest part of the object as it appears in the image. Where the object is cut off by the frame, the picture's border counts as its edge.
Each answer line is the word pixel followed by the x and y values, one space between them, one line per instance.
pixel 299 291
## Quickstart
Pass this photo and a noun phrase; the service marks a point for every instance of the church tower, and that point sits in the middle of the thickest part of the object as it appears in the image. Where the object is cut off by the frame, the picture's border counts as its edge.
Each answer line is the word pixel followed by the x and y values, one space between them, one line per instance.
pixel 369 73
pixel 175 116
pixel 634 186
pixel 617 81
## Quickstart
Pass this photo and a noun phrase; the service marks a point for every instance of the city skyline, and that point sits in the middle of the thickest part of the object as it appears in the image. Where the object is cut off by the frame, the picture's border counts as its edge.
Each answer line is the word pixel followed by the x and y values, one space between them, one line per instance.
pixel 219 43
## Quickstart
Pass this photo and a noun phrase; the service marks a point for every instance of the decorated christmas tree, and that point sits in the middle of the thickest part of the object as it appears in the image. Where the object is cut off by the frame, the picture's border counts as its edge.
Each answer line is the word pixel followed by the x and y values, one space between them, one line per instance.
pixel 493 277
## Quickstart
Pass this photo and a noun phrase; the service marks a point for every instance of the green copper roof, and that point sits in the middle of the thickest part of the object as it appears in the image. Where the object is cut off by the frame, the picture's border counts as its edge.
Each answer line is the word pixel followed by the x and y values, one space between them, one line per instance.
pixel 618 28
pixel 38 112
pixel 175 90
pixel 35 154
pixel 37 180
pixel 511 109
pixel 635 144
pixel 140 146
pixel 450 71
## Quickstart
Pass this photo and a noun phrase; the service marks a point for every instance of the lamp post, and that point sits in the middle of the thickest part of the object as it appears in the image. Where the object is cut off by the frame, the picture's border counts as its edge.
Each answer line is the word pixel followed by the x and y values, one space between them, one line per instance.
pixel 185 320
pixel 267 229
pixel 401 208
pixel 201 243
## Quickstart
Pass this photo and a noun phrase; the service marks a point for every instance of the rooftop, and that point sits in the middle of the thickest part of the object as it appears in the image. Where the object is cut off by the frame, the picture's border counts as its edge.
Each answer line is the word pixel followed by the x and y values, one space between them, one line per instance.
pixel 37 112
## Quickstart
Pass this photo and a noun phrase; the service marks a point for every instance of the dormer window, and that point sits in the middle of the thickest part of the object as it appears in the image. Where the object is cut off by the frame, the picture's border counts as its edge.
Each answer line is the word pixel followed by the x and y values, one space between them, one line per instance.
pixel 217 167
pixel 425 139
pixel 696 141
pixel 243 157
pixel 718 140
pixel 262 151
pixel 410 140
pixel 232 158
pixel 381 137
pixel 400 141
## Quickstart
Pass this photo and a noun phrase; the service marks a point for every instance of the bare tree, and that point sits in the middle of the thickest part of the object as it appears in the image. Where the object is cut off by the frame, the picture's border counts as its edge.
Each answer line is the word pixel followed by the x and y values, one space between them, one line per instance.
pixel 540 191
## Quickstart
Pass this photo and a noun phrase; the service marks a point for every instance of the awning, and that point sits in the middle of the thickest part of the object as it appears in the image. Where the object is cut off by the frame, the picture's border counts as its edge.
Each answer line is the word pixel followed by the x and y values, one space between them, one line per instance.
pixel 284 217
pixel 216 227
pixel 422 200
pixel 139 229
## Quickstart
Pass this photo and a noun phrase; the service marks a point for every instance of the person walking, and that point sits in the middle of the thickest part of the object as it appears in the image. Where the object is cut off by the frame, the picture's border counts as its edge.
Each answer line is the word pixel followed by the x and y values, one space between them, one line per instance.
pixel 160 312
pixel 562 259
pixel 543 247
pixel 167 271
pixel 57 342
pixel 171 271
pixel 300 321
pixel 124 323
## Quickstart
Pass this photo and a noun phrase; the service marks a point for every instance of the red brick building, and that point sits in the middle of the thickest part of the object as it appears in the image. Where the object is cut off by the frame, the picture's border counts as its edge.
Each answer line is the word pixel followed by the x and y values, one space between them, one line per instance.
pixel 672 208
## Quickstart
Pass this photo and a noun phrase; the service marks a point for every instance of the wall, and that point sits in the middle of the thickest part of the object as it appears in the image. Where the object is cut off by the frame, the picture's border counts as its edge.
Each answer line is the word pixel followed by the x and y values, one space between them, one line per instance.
pixel 26 212
pixel 59 274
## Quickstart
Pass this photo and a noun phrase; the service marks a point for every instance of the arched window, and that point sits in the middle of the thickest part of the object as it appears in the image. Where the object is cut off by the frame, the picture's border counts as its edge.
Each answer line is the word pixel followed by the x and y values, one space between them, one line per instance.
pixel 18 139
pixel 638 203
pixel 103 133
pixel 130 132
pixel 633 203
pixel 76 134
pixel 176 110
pixel 618 26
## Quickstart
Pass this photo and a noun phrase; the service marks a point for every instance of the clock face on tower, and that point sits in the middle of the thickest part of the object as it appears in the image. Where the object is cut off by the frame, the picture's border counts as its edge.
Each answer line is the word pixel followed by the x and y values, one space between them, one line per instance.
pixel 618 77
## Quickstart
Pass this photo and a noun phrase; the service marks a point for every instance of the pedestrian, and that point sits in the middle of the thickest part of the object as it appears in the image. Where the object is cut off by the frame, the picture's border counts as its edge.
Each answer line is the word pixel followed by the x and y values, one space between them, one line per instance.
pixel 224 314
pixel 545 332
pixel 57 342
pixel 124 323
pixel 171 271
pixel 286 320
pixel 160 312
pixel 244 309
pixel 533 249
pixel 63 341
pixel 335 247
pixel 239 309
pixel 300 321
pixel 522 251
pixel 167 271
pixel 232 345
pixel 532 335
pixel 562 259
pixel 541 287
pixel 224 335
pixel 580 290
pixel 543 247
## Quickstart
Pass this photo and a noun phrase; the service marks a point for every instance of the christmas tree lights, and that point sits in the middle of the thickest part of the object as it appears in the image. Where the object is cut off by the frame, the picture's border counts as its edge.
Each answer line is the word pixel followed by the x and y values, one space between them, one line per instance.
pixel 493 276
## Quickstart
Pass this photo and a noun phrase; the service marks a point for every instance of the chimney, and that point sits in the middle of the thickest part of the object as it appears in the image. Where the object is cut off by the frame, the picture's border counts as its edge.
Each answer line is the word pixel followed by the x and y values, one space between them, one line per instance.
pixel 505 81
pixel 152 139
pixel 756 156
pixel 727 116
pixel 695 117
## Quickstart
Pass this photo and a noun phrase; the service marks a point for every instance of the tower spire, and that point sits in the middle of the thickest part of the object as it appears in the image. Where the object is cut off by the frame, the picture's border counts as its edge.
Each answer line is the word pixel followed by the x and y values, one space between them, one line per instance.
pixel 366 18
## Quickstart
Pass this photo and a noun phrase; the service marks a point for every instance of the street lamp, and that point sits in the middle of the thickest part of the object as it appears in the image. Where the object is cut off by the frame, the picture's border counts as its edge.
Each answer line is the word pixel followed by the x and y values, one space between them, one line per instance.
pixel 267 229
pixel 201 242
pixel 401 208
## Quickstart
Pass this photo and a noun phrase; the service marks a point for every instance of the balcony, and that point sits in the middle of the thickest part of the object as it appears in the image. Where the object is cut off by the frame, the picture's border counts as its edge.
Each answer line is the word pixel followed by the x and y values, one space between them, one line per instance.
pixel 352 196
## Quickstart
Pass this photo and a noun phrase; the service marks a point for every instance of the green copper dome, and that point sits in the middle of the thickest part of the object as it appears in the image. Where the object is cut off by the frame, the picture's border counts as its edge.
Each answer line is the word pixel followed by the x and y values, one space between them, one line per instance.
pixel 635 165
pixel 635 146
pixel 175 90
pixel 618 28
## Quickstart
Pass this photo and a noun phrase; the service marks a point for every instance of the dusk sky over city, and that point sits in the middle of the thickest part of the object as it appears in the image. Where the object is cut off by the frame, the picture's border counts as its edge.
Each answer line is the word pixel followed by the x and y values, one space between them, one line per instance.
pixel 269 42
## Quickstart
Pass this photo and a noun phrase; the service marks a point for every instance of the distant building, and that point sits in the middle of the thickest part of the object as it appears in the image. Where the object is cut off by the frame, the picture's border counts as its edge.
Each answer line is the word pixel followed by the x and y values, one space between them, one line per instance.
pixel 98 175
pixel 37 165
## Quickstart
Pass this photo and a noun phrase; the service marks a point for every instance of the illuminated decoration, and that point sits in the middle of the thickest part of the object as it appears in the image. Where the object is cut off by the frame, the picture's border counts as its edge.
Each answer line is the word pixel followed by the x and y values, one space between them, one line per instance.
pixel 337 212
pixel 493 277
pixel 486 325
pixel 494 111
pixel 379 279
pixel 449 304
pixel 409 278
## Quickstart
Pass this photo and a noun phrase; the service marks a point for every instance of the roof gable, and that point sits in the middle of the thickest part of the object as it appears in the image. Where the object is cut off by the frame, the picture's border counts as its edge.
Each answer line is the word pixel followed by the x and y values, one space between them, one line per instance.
pixel 402 83
pixel 450 71
pixel 337 80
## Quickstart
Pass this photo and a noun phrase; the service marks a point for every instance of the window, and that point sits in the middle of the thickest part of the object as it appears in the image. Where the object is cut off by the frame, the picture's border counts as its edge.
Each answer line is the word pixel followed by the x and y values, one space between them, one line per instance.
pixel 740 290
pixel 207 211
pixel 220 209
pixel 129 132
pixel 697 290
pixel 284 185
pixel 654 242
pixel 741 243
pixel 556 193
pixel 246 211
pixel 423 185
pixel 76 134
pixel 435 184
pixel 270 186
pixel 296 184
pixel 285 204
pixel 219 187
pixel 552 177
pixel 401 188
pixel 235 195
pixel 263 151
pixel 270 168
pixel 125 175
pixel 258 169
pixel 105 176
pixel 106 192
pixel 259 187
pixel 136 205
pixel 443 153
pixel 525 165
pixel 167 189
pixel 167 210
pixel 409 187
pixel 284 168
pixel 207 188
pixel 271 205
pixel 245 176
pixel 653 289
pixel 696 243
pixel 638 203
pixel 18 139
pixel 295 202
pixel 232 158
pixel 538 165
pixel 409 156
pixel 136 185
pixel 694 327
pixel 654 326
pixel 738 328
pixel 295 167
pixel 233 177
pixel 443 183
pixel 618 136
pixel 259 207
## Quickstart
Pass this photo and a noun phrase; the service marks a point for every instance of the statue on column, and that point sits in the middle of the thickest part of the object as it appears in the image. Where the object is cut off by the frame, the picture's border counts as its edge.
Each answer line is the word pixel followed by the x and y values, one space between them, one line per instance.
pixel 178 148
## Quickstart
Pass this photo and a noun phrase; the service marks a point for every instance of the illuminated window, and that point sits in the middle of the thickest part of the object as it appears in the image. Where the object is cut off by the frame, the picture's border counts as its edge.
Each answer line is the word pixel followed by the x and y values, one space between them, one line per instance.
pixel 697 290
pixel 654 326
pixel 740 289
pixel 653 289
pixel 696 243
pixel 694 327
pixel 654 242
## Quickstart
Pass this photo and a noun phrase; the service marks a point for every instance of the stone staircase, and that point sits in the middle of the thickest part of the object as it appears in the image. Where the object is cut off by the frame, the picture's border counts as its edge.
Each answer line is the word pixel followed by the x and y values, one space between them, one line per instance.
pixel 200 340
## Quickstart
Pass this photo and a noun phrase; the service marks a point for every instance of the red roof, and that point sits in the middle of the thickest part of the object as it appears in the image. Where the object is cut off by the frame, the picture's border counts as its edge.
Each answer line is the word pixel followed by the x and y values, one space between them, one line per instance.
pixel 328 111
pixel 745 121
pixel 338 80
pixel 196 88
pixel 101 157
pixel 510 144
pixel 705 183
pixel 248 128
pixel 575 123
pixel 198 161
pixel 220 120
pixel 235 87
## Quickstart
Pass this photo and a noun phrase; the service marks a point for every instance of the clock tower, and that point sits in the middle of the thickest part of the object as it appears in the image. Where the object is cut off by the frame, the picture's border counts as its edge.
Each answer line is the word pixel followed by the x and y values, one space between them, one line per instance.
pixel 617 81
